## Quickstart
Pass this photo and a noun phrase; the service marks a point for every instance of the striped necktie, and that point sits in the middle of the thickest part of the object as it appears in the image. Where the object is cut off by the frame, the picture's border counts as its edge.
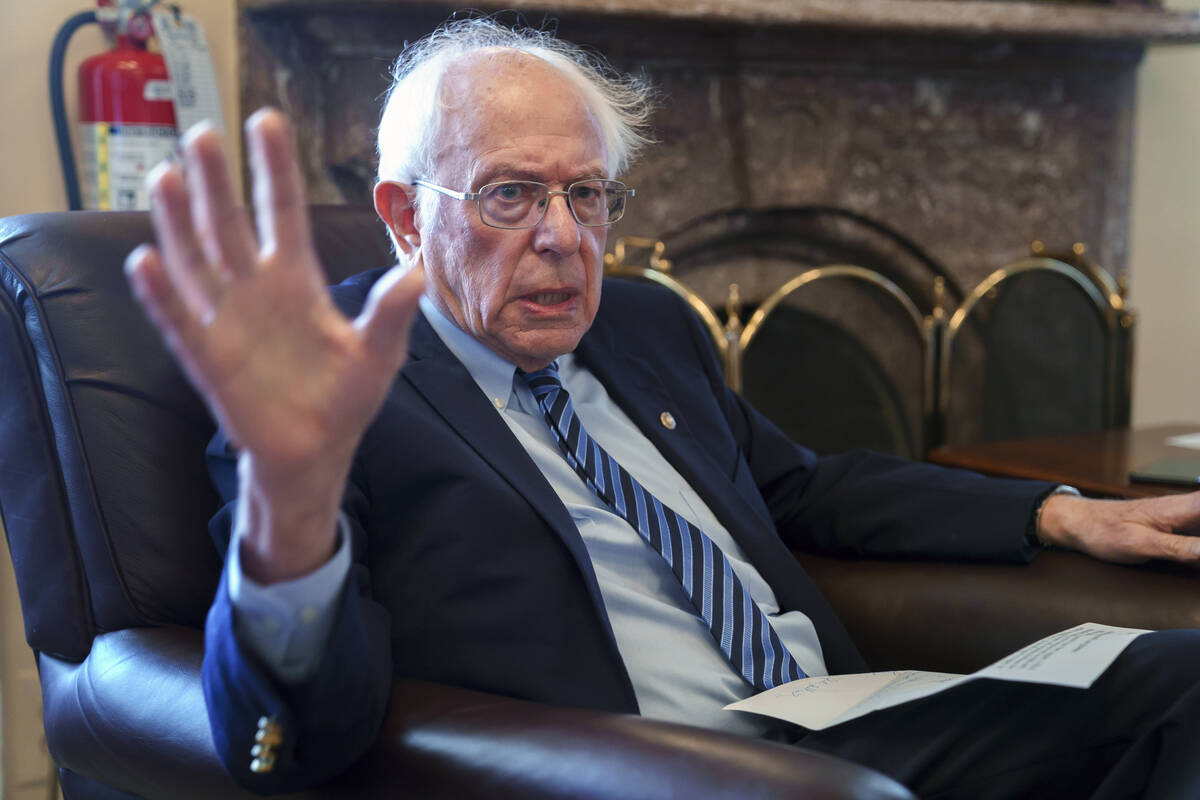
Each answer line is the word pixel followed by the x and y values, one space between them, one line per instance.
pixel 738 626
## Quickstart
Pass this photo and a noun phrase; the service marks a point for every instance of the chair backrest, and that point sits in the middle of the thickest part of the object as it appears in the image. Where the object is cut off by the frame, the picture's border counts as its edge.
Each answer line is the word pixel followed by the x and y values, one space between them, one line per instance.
pixel 103 487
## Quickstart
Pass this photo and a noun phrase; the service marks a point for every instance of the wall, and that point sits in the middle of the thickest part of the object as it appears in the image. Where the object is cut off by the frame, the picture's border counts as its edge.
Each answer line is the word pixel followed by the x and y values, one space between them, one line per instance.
pixel 1165 236
pixel 30 181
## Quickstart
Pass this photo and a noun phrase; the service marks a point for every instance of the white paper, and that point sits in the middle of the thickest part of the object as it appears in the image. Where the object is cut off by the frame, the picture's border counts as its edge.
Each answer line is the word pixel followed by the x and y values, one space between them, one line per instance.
pixel 189 64
pixel 1191 440
pixel 1075 657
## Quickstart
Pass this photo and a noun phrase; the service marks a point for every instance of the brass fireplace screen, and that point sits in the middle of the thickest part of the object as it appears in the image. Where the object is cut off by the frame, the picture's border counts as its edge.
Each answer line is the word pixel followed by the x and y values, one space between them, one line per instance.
pixel 955 395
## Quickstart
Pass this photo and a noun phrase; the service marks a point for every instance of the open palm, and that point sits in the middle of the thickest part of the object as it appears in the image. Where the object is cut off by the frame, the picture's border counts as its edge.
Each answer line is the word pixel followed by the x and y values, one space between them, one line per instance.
pixel 291 380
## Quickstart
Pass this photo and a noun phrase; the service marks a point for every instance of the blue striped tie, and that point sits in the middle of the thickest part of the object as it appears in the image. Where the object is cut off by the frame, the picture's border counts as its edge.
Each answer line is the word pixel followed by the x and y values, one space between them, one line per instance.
pixel 739 627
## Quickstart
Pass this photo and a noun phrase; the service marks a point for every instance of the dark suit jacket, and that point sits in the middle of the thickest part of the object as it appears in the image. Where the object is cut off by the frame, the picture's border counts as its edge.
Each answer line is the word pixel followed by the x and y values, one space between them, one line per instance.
pixel 469 570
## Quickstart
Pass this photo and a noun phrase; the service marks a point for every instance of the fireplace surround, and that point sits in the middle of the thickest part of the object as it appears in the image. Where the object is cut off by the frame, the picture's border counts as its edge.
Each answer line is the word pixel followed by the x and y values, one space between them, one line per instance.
pixel 930 141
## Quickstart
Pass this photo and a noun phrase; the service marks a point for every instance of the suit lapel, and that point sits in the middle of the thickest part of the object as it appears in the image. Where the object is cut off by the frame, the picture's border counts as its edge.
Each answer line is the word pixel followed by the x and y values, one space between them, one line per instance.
pixel 448 387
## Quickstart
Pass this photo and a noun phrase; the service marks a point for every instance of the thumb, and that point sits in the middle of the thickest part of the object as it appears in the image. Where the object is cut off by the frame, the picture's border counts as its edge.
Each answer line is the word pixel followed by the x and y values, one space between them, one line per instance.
pixel 387 317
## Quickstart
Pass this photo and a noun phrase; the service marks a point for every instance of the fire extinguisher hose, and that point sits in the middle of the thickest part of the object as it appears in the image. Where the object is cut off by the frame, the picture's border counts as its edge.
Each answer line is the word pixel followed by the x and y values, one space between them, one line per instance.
pixel 62 131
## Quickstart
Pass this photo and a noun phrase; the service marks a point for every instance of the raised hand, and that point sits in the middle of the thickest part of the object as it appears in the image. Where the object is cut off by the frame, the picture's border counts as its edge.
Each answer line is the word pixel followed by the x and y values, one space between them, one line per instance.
pixel 1125 531
pixel 289 378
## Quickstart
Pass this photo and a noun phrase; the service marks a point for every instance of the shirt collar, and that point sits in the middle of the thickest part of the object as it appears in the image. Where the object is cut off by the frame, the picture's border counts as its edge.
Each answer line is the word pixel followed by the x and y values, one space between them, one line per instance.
pixel 493 374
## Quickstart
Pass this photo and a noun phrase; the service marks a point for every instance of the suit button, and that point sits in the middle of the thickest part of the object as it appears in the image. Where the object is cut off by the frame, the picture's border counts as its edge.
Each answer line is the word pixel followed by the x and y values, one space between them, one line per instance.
pixel 667 420
pixel 271 736
pixel 268 736
pixel 262 764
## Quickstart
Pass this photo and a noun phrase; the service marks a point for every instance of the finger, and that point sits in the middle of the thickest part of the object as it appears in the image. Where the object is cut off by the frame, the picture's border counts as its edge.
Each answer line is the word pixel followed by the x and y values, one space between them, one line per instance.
pixel 387 317
pixel 166 309
pixel 221 225
pixel 181 255
pixel 1173 547
pixel 1177 512
pixel 280 204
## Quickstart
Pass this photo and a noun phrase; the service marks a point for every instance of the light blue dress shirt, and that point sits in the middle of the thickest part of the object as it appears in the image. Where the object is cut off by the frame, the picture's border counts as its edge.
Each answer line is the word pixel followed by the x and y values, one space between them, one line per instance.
pixel 678 673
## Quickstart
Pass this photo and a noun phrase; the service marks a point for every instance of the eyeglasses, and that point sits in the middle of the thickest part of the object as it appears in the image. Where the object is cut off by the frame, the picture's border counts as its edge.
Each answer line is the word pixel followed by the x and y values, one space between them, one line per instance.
pixel 522 204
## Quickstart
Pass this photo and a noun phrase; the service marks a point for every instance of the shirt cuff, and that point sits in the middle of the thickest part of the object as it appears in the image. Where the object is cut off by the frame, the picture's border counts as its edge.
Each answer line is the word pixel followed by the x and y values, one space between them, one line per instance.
pixel 1031 533
pixel 287 624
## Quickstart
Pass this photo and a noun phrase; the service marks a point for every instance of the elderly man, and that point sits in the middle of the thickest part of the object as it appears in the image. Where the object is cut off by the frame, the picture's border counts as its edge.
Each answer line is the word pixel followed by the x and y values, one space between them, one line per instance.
pixel 471 469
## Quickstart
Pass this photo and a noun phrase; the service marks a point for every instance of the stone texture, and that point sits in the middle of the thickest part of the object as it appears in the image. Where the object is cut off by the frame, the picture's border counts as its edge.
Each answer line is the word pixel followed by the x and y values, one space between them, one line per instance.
pixel 969 147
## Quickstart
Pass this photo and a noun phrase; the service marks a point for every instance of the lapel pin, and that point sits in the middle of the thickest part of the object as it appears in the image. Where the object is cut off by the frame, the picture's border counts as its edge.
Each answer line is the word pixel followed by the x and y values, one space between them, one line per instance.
pixel 667 420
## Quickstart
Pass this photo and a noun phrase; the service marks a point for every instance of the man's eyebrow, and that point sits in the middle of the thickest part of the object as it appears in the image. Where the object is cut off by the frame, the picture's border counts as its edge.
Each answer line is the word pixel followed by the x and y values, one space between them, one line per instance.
pixel 501 172
pixel 507 172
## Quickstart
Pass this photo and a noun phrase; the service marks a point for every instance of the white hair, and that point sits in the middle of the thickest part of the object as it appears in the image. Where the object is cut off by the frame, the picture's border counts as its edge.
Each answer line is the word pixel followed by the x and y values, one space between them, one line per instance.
pixel 412 113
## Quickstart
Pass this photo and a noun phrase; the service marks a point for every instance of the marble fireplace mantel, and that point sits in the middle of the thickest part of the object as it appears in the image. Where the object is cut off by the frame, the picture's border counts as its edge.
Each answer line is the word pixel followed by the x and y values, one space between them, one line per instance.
pixel 971 127
pixel 1135 22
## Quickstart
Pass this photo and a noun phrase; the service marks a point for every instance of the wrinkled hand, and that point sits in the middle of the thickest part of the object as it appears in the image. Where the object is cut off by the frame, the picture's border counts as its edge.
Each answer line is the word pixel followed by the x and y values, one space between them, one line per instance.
pixel 291 380
pixel 1125 531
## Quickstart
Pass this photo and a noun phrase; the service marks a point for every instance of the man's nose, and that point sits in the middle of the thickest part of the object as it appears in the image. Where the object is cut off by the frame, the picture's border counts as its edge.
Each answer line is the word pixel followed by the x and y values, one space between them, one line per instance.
pixel 558 231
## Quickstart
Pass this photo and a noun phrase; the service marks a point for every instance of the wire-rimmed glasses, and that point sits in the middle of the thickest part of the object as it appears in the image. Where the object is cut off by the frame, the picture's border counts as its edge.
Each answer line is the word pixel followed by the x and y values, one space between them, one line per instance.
pixel 513 205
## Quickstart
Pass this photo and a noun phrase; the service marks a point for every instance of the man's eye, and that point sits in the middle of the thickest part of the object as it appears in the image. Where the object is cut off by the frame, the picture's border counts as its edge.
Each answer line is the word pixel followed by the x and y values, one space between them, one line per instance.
pixel 511 192
pixel 584 192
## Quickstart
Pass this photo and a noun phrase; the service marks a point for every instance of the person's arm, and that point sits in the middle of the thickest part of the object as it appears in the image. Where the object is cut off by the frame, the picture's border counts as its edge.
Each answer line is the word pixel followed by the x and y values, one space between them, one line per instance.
pixel 287 624
pixel 290 380
pixel 863 503
pixel 294 384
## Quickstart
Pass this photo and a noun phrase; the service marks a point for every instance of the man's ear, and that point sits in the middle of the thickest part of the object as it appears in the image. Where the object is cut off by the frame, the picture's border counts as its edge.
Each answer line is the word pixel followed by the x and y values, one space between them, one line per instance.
pixel 394 202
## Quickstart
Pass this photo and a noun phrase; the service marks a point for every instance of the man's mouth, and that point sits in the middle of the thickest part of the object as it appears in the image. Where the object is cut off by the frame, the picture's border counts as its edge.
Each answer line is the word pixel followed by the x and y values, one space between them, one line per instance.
pixel 548 298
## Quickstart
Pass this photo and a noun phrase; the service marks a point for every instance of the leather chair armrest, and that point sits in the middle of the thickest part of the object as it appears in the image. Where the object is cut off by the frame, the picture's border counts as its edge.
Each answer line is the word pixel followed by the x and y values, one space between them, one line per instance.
pixel 956 617
pixel 132 716
pixel 448 742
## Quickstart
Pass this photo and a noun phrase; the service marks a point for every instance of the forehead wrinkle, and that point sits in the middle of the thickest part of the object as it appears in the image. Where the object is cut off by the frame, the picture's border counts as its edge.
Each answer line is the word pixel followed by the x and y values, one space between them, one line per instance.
pixel 483 172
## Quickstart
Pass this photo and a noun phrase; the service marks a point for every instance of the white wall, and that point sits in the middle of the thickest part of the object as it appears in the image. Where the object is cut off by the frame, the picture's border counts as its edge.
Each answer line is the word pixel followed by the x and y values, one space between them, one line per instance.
pixel 1165 245
pixel 30 180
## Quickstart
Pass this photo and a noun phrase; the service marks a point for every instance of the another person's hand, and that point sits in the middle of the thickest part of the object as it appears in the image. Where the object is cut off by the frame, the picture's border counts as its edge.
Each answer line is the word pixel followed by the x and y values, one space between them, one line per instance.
pixel 291 380
pixel 1125 531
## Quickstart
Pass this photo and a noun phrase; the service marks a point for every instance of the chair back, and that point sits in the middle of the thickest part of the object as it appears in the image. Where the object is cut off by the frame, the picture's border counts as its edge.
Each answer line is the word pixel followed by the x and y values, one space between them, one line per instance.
pixel 104 492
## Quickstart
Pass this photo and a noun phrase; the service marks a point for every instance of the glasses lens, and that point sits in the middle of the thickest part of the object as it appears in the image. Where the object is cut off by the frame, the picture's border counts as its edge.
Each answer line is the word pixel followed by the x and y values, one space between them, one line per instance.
pixel 597 202
pixel 512 204
pixel 522 204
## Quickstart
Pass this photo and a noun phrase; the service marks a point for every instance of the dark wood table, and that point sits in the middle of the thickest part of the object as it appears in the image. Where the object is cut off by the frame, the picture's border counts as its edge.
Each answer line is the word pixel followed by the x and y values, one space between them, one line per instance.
pixel 1097 464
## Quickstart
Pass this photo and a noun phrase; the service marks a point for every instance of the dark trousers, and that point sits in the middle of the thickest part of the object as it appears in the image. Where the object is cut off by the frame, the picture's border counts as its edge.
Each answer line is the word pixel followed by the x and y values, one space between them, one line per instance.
pixel 1135 733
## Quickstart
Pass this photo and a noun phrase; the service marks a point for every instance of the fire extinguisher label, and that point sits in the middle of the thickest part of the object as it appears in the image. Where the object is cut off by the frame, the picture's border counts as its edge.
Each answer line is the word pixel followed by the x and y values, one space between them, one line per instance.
pixel 189 63
pixel 116 158
pixel 157 91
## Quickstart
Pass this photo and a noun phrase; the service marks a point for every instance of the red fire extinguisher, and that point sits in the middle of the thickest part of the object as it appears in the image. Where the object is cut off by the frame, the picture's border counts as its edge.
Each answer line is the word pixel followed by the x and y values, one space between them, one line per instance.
pixel 126 115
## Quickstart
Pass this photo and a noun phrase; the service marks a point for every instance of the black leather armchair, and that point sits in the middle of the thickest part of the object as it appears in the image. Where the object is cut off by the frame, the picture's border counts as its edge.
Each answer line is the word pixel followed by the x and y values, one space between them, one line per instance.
pixel 105 499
